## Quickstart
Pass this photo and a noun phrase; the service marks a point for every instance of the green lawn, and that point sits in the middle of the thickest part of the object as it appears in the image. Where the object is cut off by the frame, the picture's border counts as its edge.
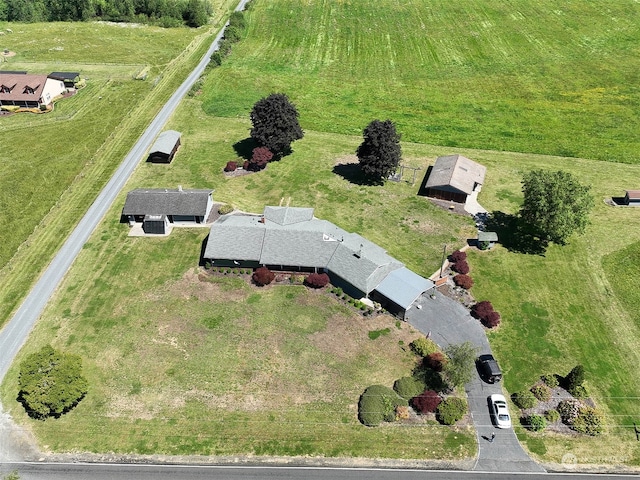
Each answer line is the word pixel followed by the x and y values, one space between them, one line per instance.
pixel 526 76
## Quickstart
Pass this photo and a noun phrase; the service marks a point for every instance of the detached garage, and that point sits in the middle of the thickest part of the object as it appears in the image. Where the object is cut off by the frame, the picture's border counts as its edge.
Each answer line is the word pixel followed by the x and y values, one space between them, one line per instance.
pixel 454 177
pixel 165 147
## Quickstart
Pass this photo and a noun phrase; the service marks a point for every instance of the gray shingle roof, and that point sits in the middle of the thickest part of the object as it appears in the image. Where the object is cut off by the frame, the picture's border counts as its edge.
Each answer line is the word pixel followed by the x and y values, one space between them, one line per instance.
pixel 456 171
pixel 306 243
pixel 165 142
pixel 167 201
pixel 403 286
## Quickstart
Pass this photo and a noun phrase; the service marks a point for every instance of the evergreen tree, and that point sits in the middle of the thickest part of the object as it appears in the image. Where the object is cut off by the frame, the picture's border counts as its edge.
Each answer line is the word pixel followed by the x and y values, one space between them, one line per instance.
pixel 380 152
pixel 275 123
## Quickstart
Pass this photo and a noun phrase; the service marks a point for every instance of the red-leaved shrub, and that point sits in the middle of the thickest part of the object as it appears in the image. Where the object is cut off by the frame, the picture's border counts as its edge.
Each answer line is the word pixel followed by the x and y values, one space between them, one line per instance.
pixel 426 402
pixel 231 167
pixel 245 165
pixel 317 280
pixel 435 361
pixel 491 320
pixel 484 312
pixel 464 281
pixel 263 276
pixel 457 256
pixel 461 266
pixel 259 158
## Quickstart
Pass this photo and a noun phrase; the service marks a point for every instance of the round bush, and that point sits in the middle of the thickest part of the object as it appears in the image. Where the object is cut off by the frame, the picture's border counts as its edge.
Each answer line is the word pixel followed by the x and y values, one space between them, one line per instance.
pixel 409 387
pixel 524 399
pixel 482 309
pixel 541 392
pixel 551 379
pixel 552 416
pixel 435 361
pixel 535 423
pixel 461 267
pixel 589 421
pixel 579 391
pixel 378 404
pixel 491 320
pixel 569 410
pixel 451 410
pixel 263 276
pixel 457 256
pixel 463 281
pixel 317 280
pixel 231 167
pixel 426 402
pixel 423 346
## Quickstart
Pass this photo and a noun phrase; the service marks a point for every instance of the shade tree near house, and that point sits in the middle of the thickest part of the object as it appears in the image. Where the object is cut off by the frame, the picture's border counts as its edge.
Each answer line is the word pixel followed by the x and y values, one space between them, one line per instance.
pixel 51 383
pixel 275 123
pixel 380 152
pixel 555 205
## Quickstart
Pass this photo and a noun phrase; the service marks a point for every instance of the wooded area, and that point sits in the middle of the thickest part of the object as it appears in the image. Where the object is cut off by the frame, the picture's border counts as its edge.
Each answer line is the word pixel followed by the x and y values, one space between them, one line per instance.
pixel 168 13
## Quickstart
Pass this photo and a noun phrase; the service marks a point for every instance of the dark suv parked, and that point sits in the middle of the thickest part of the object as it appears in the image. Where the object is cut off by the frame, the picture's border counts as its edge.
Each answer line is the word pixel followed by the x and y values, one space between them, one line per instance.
pixel 489 369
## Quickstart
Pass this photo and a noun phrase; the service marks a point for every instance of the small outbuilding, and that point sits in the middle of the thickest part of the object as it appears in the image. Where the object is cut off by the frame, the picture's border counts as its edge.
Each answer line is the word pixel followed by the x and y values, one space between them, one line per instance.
pixel 454 177
pixel 487 240
pixel 632 198
pixel 165 147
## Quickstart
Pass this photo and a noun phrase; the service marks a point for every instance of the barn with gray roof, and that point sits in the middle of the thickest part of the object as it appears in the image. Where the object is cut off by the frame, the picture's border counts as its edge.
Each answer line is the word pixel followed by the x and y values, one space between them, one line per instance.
pixel 292 239
pixel 165 147
pixel 454 177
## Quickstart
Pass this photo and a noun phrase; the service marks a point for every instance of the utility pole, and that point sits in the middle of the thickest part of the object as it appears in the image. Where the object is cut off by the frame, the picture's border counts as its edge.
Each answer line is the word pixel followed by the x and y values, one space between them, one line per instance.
pixel 444 253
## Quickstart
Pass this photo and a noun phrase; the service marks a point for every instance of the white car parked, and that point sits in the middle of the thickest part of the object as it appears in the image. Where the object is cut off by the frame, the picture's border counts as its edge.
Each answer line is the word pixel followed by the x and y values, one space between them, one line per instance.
pixel 499 411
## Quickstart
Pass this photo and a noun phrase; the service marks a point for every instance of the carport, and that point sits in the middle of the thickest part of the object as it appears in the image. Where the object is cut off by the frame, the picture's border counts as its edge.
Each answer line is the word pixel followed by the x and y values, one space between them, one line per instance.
pixel 400 289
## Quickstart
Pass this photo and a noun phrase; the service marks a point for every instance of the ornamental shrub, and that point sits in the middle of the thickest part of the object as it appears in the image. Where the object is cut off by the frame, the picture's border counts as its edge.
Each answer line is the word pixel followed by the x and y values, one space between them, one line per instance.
pixel 579 391
pixel 231 167
pixel 426 402
pixel 263 276
pixel 535 422
pixel 435 361
pixel 524 399
pixel 378 404
pixel 461 267
pixel 464 281
pixel 589 421
pixel 574 378
pixel 482 309
pixel 409 387
pixel 552 416
pixel 569 410
pixel 541 392
pixel 491 320
pixel 317 280
pixel 451 410
pixel 246 165
pixel 259 158
pixel 216 59
pixel 423 346
pixel 232 34
pixel 551 379
pixel 457 256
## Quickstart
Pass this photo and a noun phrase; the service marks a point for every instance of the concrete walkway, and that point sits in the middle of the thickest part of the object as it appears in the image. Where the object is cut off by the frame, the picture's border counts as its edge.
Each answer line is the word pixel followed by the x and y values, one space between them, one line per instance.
pixel 447 322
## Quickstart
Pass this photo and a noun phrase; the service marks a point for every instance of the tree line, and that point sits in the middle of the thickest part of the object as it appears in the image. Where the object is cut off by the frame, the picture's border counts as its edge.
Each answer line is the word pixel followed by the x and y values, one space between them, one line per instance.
pixel 168 13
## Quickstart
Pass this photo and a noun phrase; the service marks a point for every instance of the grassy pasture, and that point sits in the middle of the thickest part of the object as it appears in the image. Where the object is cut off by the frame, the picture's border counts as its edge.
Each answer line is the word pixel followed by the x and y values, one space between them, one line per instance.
pixel 526 76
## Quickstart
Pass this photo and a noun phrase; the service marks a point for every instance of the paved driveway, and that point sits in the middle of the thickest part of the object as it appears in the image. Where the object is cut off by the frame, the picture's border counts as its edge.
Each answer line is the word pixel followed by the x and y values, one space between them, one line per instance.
pixel 446 321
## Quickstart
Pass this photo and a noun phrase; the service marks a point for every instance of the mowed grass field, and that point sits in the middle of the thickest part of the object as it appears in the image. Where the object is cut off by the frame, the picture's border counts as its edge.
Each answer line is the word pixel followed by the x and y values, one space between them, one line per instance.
pixel 52 166
pixel 525 76
pixel 169 369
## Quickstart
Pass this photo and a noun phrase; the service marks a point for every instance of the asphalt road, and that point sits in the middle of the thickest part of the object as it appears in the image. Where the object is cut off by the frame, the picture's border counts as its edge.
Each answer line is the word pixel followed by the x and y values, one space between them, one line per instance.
pixel 16 331
pixel 148 472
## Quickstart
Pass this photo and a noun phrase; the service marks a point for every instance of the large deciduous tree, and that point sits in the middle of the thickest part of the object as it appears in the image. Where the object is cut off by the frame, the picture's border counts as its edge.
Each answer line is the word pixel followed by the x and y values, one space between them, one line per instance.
pixel 379 154
pixel 459 369
pixel 51 382
pixel 275 123
pixel 555 205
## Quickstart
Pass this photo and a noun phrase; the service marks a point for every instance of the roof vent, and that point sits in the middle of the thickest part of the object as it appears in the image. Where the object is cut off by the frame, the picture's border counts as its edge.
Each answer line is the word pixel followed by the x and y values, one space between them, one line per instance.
pixel 358 254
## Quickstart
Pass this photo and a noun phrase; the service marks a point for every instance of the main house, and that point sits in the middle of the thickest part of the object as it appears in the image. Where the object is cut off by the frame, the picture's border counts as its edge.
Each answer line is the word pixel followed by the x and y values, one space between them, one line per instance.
pixel 29 91
pixel 454 177
pixel 292 239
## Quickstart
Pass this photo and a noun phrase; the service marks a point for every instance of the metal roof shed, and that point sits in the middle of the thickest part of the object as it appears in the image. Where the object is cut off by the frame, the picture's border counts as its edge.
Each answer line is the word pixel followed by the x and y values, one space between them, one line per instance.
pixel 403 287
pixel 164 148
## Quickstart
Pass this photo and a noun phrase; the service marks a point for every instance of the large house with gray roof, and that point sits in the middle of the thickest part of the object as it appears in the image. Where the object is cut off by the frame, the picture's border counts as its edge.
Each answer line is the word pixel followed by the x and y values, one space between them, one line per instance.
pixel 454 177
pixel 292 239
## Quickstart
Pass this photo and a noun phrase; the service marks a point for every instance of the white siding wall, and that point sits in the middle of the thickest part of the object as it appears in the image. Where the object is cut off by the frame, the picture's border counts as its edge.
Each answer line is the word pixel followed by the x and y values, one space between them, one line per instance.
pixel 52 88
